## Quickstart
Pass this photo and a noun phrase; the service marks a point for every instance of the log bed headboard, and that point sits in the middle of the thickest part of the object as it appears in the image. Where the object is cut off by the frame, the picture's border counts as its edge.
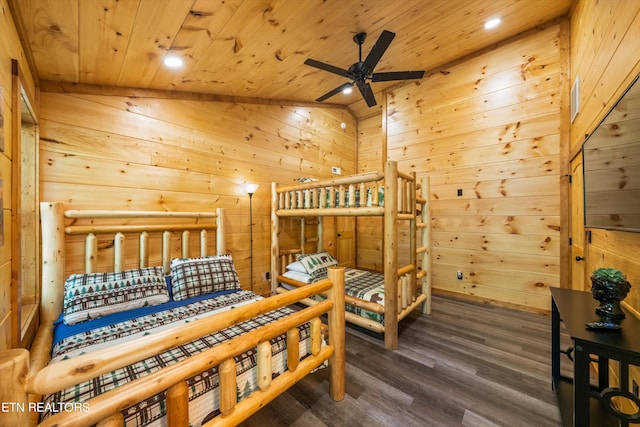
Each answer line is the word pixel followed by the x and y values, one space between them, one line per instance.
pixel 58 223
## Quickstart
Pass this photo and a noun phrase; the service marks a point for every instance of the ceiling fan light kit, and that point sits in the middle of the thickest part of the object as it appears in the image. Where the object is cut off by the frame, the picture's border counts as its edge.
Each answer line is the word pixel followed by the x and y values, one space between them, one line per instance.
pixel 360 72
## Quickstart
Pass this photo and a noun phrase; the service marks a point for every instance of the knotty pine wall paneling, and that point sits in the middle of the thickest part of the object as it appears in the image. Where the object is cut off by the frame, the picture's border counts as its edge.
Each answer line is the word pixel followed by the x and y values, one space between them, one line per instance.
pixel 167 154
pixel 488 128
pixel 369 229
pixel 604 54
pixel 10 48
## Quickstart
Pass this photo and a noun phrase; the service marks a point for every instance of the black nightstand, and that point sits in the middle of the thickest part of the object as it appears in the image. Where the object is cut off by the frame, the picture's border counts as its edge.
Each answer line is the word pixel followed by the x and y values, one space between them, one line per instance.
pixel 582 403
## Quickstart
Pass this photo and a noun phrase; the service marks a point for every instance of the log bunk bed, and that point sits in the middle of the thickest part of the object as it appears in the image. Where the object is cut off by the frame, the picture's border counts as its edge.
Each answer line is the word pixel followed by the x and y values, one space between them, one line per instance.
pixel 393 195
pixel 257 340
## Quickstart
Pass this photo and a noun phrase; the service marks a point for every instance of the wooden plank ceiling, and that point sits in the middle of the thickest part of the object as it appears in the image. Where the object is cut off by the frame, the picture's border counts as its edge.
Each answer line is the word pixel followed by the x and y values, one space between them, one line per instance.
pixel 257 48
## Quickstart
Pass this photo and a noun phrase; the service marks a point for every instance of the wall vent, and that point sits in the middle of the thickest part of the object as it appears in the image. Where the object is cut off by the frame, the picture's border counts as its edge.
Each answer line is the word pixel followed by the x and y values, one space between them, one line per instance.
pixel 575 98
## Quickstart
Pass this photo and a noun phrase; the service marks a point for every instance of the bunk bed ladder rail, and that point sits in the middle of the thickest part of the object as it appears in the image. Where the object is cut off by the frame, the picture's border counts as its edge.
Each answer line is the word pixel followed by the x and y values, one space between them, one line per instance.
pixel 423 251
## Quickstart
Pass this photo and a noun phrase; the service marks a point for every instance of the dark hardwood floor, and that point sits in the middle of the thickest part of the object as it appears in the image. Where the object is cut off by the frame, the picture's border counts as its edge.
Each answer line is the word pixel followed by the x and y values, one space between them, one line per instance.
pixel 466 364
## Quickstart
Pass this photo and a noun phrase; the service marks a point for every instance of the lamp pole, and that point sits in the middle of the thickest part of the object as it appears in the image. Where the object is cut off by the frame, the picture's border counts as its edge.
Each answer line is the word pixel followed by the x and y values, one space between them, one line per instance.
pixel 251 239
pixel 250 189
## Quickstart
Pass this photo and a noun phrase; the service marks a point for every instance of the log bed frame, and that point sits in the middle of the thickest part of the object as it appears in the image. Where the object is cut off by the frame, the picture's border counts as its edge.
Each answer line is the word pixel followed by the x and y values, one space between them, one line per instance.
pixel 406 286
pixel 26 376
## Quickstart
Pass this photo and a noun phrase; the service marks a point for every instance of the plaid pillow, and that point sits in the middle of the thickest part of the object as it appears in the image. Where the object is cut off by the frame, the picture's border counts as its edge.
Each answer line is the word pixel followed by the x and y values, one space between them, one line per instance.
pixel 92 295
pixel 199 276
pixel 316 264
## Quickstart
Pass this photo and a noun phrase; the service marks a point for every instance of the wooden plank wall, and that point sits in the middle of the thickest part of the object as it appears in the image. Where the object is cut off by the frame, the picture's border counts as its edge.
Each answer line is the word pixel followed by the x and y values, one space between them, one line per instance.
pixel 488 127
pixel 10 48
pixel 369 229
pixel 604 54
pixel 158 153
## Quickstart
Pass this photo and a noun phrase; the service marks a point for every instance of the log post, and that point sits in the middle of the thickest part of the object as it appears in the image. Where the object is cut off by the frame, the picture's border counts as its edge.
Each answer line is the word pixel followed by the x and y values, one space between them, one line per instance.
pixel 352 196
pixel 203 243
pixel 166 251
pixel 293 349
pixel 406 292
pixel 185 244
pixel 90 253
pixel 14 365
pixel 336 333
pixel 118 252
pixel 316 338
pixel 264 365
pixel 228 385
pixel 178 405
pixel 426 243
pixel 413 242
pixel 390 252
pixel 53 260
pixel 221 245
pixel 275 236
pixel 144 249
pixel 320 231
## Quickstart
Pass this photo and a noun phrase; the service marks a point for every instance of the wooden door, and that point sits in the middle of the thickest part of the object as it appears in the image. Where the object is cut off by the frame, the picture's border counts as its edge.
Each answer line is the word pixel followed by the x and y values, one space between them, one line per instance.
pixel 345 241
pixel 578 262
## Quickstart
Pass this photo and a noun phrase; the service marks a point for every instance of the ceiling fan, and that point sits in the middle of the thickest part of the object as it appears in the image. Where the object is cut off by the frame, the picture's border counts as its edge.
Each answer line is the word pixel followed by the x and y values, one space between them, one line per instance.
pixel 362 71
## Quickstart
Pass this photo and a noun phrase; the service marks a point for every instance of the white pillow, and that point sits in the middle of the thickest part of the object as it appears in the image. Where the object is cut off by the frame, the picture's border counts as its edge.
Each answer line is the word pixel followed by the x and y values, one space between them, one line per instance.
pixel 300 277
pixel 296 266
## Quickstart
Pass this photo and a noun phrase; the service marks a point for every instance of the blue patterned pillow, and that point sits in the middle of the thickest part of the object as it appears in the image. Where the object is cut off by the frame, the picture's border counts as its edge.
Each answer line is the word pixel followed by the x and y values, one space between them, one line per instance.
pixel 92 295
pixel 193 277
pixel 316 264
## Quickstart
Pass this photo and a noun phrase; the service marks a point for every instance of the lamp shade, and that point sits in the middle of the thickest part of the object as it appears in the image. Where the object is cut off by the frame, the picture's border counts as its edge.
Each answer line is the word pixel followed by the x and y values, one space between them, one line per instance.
pixel 250 188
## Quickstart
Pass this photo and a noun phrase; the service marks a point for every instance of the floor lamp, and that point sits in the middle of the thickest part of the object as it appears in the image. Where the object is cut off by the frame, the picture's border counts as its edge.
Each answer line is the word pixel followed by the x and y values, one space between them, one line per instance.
pixel 250 189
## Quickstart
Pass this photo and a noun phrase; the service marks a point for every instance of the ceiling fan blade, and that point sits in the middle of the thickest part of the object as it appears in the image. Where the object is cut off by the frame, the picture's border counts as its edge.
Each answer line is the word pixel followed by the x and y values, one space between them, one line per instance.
pixel 379 49
pixel 367 93
pixel 396 75
pixel 334 91
pixel 327 67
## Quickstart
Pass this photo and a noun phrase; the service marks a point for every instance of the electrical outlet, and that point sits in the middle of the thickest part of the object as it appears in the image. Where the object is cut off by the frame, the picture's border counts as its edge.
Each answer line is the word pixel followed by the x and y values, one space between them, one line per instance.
pixel 459 192
pixel 266 275
pixel 459 275
pixel 336 170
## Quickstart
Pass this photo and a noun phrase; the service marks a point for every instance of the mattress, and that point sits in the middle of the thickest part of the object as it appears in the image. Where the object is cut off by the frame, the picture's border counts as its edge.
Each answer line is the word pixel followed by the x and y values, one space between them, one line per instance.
pixel 368 286
pixel 362 284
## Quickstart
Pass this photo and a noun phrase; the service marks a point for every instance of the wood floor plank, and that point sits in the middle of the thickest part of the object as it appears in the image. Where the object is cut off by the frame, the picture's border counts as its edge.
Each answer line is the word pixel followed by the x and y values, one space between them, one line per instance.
pixel 466 364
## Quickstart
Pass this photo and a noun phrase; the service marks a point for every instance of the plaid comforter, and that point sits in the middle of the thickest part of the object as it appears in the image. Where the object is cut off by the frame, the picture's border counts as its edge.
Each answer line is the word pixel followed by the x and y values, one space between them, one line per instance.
pixel 366 285
pixel 203 388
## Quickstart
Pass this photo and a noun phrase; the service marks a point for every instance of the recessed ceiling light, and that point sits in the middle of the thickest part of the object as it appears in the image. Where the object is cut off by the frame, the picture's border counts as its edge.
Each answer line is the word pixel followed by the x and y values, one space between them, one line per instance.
pixel 173 61
pixel 492 23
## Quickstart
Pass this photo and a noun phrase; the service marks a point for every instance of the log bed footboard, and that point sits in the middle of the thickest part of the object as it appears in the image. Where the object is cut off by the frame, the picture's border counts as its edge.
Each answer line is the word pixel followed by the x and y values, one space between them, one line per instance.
pixel 19 381
pixel 26 376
